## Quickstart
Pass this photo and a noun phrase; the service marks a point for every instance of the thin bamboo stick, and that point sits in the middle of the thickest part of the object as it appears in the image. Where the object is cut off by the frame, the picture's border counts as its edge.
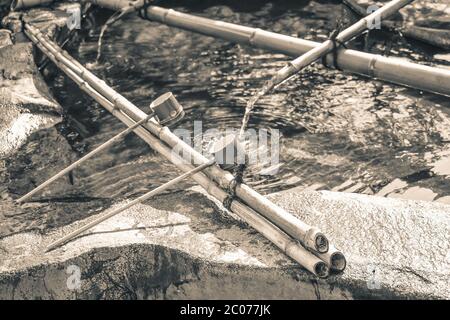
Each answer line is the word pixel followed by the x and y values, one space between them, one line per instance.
pixel 77 163
pixel 326 47
pixel 309 236
pixel 115 212
pixel 394 70
pixel 285 243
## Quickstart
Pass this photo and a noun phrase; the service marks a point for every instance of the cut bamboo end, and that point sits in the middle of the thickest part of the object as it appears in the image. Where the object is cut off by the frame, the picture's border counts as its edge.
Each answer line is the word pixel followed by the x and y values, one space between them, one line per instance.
pixel 334 259
pixel 316 240
pixel 338 261
pixel 308 260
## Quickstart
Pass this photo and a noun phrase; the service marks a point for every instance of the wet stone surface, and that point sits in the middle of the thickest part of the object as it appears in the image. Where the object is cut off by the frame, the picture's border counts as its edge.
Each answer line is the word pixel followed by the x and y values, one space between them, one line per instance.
pixel 394 143
pixel 32 147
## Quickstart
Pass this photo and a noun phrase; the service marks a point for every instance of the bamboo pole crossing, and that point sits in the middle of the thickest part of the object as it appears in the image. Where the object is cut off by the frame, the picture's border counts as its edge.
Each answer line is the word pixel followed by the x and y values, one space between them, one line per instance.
pixel 326 47
pixel 394 70
pixel 157 137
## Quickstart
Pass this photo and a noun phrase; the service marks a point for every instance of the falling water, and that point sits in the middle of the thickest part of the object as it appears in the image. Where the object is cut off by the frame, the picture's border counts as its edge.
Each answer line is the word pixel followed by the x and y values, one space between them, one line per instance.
pixel 268 86
pixel 100 41
pixel 116 16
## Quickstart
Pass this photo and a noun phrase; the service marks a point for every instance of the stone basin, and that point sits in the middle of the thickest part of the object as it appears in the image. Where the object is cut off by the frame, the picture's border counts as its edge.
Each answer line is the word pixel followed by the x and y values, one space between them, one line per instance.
pixel 395 248
pixel 184 245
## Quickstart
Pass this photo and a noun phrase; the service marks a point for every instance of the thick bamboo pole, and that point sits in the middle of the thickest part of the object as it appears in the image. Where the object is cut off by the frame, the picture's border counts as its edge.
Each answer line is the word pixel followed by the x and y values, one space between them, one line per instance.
pixel 394 70
pixel 284 242
pixel 80 161
pixel 310 236
pixel 326 47
pixel 334 259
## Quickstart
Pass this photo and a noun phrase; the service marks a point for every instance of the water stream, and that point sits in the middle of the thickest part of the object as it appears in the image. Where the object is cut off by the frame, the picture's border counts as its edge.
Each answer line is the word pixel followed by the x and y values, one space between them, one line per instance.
pixel 267 87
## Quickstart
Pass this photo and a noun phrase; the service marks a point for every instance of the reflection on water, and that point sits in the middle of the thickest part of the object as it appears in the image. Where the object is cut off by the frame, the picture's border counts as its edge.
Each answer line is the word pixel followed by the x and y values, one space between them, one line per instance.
pixel 339 131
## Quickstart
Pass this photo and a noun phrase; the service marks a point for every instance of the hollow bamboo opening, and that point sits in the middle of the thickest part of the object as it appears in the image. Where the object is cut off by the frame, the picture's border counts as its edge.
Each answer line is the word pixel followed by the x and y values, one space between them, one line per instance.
pixel 321 269
pixel 338 261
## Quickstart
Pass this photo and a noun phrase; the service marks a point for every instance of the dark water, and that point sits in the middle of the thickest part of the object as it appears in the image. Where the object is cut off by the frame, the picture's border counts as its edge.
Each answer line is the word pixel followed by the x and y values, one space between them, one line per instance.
pixel 338 131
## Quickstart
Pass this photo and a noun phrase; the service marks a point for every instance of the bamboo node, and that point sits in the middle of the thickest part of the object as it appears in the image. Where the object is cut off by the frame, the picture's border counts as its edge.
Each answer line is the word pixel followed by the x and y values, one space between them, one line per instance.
pixel 142 11
pixel 251 39
pixel 371 67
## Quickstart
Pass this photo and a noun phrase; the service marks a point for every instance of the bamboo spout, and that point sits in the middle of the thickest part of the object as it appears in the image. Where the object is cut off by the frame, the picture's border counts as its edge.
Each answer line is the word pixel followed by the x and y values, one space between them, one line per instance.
pixel 309 57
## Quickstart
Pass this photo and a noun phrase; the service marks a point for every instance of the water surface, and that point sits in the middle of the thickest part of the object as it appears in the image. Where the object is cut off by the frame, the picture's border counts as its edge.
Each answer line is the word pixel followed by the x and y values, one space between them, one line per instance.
pixel 339 131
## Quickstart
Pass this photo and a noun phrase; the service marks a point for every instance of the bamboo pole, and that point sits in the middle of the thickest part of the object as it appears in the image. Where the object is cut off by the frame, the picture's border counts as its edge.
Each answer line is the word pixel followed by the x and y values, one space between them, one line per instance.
pixel 77 163
pixel 309 236
pixel 394 70
pixel 115 212
pixel 278 237
pixel 326 47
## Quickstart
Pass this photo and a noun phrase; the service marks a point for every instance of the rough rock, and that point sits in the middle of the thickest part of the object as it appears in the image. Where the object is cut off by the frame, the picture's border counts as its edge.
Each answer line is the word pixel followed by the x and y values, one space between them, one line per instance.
pixel 25 101
pixel 29 140
pixel 397 246
pixel 24 98
pixel 152 253
pixel 5 38
pixel 395 249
